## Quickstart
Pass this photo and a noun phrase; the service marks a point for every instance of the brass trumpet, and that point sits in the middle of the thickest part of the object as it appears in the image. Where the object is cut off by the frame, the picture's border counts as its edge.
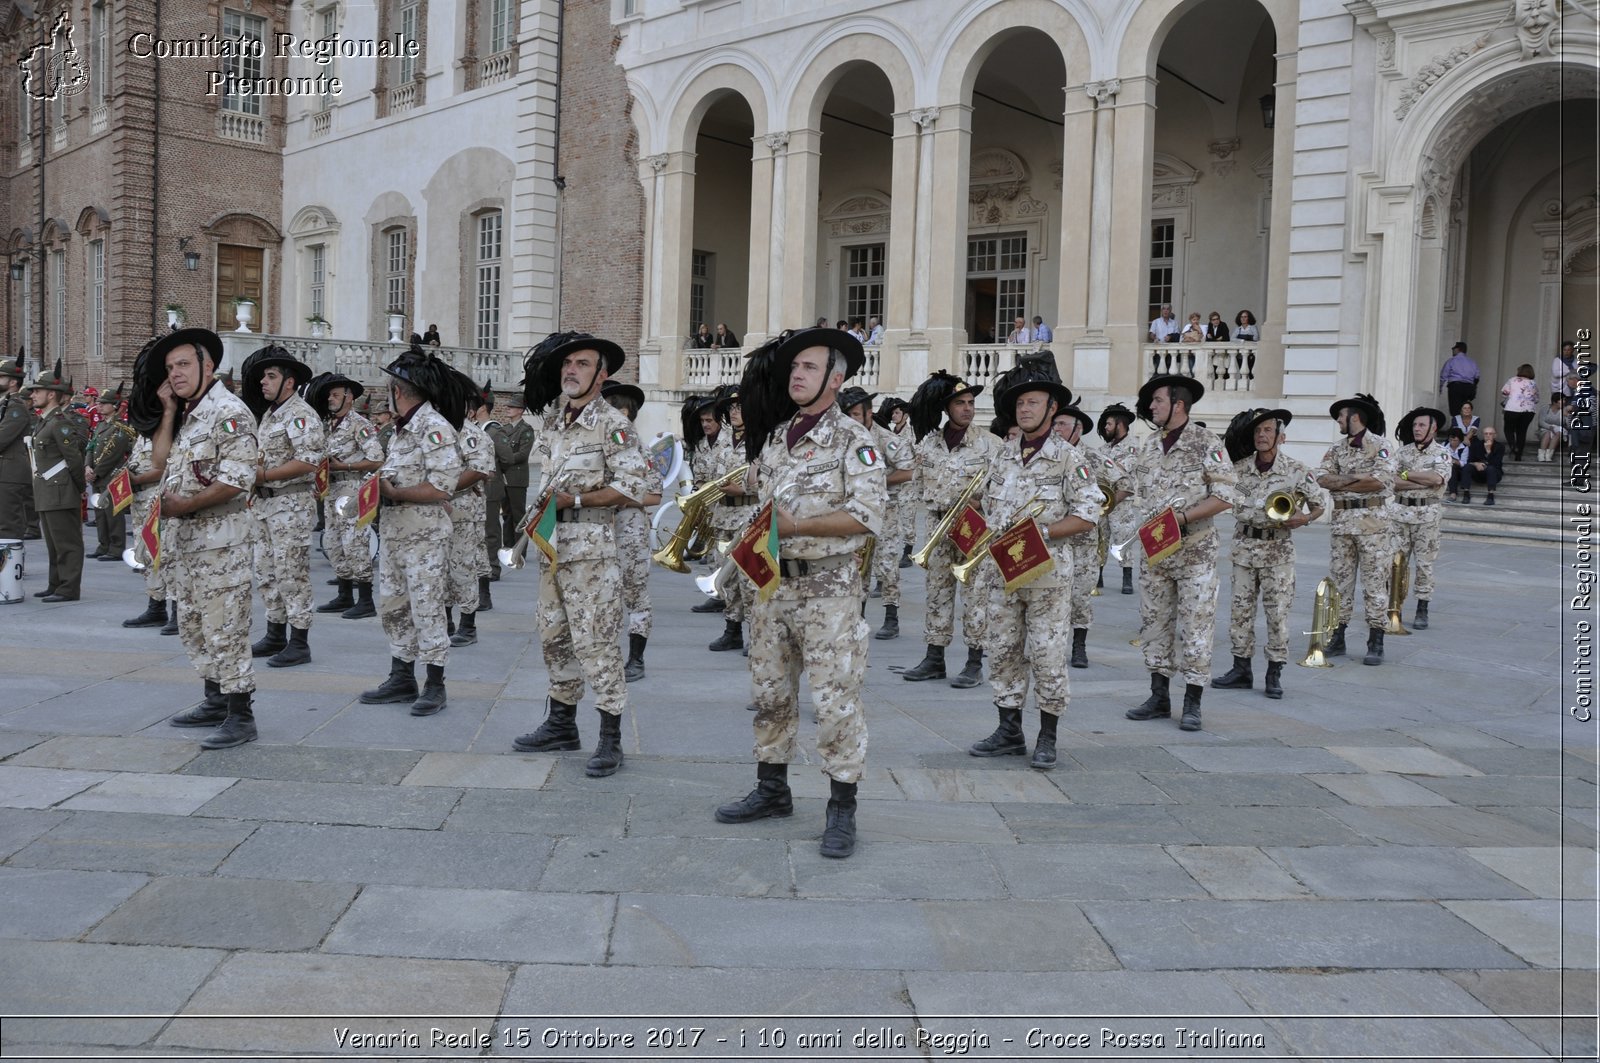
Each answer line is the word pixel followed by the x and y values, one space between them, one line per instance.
pixel 942 530
pixel 1399 587
pixel 1281 505
pixel 1108 498
pixel 1031 510
pixel 1324 621
pixel 691 539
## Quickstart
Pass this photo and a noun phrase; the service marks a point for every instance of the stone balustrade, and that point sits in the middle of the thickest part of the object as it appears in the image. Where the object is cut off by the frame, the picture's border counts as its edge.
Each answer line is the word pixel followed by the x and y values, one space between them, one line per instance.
pixel 1219 366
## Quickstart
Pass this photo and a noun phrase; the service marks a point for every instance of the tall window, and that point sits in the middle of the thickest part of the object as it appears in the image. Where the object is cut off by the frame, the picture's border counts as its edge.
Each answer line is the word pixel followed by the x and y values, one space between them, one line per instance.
pixel 997 282
pixel 396 250
pixel 406 66
pixel 25 105
pixel 328 29
pixel 319 276
pixel 1162 233
pixel 700 278
pixel 25 303
pixel 100 57
pixel 97 301
pixel 863 282
pixel 502 24
pixel 58 304
pixel 487 321
pixel 241 27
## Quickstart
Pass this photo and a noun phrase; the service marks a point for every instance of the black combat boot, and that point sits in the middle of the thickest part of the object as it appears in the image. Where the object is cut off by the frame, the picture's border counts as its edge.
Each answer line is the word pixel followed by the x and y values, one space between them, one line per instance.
pixel 1239 677
pixel 1044 752
pixel 485 602
pixel 400 686
pixel 1080 647
pixel 339 602
pixel 363 607
pixel 891 624
pixel 710 605
pixel 466 631
pixel 633 670
pixel 1419 622
pixel 1273 686
pixel 1007 739
pixel 1335 646
pixel 295 651
pixel 272 642
pixel 155 614
pixel 1158 705
pixel 209 713
pixel 608 750
pixel 1191 707
pixel 237 729
pixel 432 698
pixel 771 797
pixel 972 674
pixel 1374 646
pixel 450 621
pixel 1100 580
pixel 930 667
pixel 559 731
pixel 1127 581
pixel 732 637
pixel 905 557
pixel 839 834
pixel 171 626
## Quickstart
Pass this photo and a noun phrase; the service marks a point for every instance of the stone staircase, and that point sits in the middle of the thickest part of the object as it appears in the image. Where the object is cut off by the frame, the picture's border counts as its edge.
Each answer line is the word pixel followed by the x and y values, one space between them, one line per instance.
pixel 1528 505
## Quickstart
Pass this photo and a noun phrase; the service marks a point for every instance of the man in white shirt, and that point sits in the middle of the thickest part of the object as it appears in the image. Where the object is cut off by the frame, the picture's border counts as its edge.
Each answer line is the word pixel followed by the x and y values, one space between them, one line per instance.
pixel 1166 328
pixel 874 332
pixel 1041 331
pixel 1019 331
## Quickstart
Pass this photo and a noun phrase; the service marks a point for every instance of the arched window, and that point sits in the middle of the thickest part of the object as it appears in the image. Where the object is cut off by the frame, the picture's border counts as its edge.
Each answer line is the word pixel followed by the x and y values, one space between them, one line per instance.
pixel 488 228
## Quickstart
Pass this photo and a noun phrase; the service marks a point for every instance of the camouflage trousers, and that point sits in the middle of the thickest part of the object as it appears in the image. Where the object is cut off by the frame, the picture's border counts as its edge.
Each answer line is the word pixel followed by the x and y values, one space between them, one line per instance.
pixel 736 592
pixel 1085 551
pixel 580 623
pixel 1274 586
pixel 155 579
pixel 467 559
pixel 213 594
pixel 348 546
pixel 283 556
pixel 413 567
pixel 1032 628
pixel 941 613
pixel 1177 620
pixel 826 637
pixel 1371 554
pixel 1421 541
pixel 633 556
pixel 891 544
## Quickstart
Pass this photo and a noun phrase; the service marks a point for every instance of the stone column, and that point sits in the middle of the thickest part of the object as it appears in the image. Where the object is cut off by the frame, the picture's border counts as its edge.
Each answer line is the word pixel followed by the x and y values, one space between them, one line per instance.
pixel 674 221
pixel 651 176
pixel 765 260
pixel 949 178
pixel 904 358
pixel 795 207
pixel 1269 369
pixel 1133 149
pixel 1089 147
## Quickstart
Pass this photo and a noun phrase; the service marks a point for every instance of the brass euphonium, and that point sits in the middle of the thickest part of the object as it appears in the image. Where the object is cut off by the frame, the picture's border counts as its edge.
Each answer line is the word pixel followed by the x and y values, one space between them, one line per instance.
pixel 1108 498
pixel 943 528
pixel 692 538
pixel 1399 587
pixel 1324 621
pixel 1281 505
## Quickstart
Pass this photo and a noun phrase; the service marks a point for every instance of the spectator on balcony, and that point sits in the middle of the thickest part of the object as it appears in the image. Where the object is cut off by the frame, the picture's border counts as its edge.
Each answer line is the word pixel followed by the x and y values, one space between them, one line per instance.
pixel 1485 465
pixel 822 322
pixel 431 337
pixel 1165 329
pixel 1468 422
pixel 1564 370
pixel 858 330
pixel 1019 331
pixel 1041 331
pixel 1520 400
pixel 725 338
pixel 1244 328
pixel 1216 329
pixel 1193 332
pixel 1553 427
pixel 703 340
pixel 874 332
pixel 1458 377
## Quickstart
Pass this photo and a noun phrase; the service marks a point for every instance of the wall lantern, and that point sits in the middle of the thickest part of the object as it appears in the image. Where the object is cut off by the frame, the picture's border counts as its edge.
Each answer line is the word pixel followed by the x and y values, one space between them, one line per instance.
pixel 1269 110
pixel 191 259
pixel 17 270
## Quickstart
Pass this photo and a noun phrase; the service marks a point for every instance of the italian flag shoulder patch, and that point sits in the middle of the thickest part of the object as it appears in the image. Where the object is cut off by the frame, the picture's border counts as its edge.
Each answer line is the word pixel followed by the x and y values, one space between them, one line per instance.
pixel 621 437
pixel 299 423
pixel 231 426
pixel 1083 472
pixel 436 438
pixel 868 456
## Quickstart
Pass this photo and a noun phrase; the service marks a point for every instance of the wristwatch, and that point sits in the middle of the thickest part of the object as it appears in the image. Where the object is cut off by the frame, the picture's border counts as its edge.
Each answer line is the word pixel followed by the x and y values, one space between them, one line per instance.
pixel 577 501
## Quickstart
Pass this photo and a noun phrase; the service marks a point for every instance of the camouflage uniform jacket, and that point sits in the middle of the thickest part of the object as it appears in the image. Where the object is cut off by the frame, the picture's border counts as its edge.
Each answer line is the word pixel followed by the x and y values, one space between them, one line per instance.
pixel 1194 469
pixel 477 455
pixel 599 448
pixel 58 460
pixel 1057 476
pixel 1412 458
pixel 141 459
pixel 704 458
pixel 734 512
pixel 1374 458
pixel 292 431
pixel 1250 511
pixel 216 443
pixel 833 466
pixel 351 439
pixel 945 473
pixel 898 454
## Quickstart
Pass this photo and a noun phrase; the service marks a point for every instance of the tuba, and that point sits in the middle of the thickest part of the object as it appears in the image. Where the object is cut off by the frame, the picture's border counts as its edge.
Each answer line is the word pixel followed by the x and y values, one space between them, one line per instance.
pixel 1324 621
pixel 1281 505
pixel 1399 587
pixel 692 538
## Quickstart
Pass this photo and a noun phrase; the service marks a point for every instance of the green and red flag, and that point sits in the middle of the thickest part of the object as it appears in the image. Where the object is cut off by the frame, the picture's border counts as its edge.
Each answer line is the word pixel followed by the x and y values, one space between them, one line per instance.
pixel 756 552
pixel 541 528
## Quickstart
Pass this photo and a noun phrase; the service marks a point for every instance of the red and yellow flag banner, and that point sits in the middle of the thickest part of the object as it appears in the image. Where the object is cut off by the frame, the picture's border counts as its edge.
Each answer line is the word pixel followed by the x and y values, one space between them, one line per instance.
pixel 1160 536
pixel 121 491
pixel 756 552
pixel 1022 554
pixel 150 535
pixel 967 530
pixel 367 498
pixel 322 479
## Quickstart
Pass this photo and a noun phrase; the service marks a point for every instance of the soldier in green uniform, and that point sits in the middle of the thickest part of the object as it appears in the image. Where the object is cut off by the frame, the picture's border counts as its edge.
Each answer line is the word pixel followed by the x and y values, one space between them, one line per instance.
pixel 494 497
pixel 58 445
pixel 16 480
pixel 108 449
pixel 512 446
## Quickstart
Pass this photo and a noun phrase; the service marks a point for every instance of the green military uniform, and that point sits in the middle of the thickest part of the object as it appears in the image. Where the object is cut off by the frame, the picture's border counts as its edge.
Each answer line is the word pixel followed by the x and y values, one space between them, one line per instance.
pixel 512 446
pixel 58 445
pixel 16 479
pixel 108 452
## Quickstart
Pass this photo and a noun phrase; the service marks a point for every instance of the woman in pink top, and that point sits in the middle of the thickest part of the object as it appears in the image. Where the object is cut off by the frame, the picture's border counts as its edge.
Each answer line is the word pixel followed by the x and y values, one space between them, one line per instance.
pixel 1520 400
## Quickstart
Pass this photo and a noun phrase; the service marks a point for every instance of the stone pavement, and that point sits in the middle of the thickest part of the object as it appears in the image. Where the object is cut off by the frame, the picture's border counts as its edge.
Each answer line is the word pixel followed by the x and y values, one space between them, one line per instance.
pixel 1395 861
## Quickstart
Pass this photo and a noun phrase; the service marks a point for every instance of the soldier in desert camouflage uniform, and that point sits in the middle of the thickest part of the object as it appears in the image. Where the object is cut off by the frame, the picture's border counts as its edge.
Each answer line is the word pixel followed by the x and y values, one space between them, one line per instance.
pixel 591 463
pixel 210 464
pixel 1359 472
pixel 1183 466
pixel 893 416
pixel 825 479
pixel 1028 626
pixel 900 459
pixel 1424 470
pixel 1263 552
pixel 1118 449
pixel 633 541
pixel 293 444
pixel 418 477
pixel 1070 424
pixel 731 514
pixel 703 447
pixel 354 453
pixel 469 564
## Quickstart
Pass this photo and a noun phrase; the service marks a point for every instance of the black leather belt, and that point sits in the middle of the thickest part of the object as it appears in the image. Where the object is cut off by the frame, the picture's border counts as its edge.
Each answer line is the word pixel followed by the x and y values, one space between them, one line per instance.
pixel 1430 501
pixel 279 492
pixel 1357 503
pixel 794 568
pixel 586 515
pixel 1247 532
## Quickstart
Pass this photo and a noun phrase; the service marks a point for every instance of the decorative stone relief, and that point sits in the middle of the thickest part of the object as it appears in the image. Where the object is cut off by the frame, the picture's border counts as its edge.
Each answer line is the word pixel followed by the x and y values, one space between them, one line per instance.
pixel 1385 43
pixel 859 214
pixel 1170 180
pixel 998 189
pixel 1222 151
pixel 925 118
pixel 657 163
pixel 1431 72
pixel 1103 92
pixel 1536 21
pixel 777 143
pixel 1055 168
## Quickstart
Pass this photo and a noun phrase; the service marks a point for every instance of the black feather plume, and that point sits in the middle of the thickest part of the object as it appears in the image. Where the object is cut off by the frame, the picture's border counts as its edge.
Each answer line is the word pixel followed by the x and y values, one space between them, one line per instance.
pixel 1378 424
pixel 541 380
pixel 884 414
pixel 764 394
pixel 689 421
pixel 1240 438
pixel 928 402
pixel 144 405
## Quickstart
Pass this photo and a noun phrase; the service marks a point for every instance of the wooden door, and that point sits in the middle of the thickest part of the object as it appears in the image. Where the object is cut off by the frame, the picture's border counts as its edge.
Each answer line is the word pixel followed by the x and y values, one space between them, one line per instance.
pixel 239 275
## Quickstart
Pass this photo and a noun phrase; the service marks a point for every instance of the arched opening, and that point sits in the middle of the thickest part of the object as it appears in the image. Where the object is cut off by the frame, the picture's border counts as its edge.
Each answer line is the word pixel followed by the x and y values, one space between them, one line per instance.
pixel 719 264
pixel 854 177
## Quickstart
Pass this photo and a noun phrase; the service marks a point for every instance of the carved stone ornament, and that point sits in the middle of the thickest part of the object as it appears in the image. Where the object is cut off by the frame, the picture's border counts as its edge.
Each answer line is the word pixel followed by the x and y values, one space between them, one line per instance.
pixel 1536 21
pixel 859 214
pixel 1103 92
pixel 1385 43
pixel 1223 151
pixel 777 143
pixel 1430 73
pixel 1171 180
pixel 925 118
pixel 998 190
pixel 658 163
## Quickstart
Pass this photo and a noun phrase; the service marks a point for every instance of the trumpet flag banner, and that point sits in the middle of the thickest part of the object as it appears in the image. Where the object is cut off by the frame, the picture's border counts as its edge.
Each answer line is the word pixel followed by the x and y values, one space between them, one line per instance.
pixel 322 479
pixel 756 552
pixel 541 528
pixel 1160 536
pixel 1022 555
pixel 367 501
pixel 150 535
pixel 967 532
pixel 121 491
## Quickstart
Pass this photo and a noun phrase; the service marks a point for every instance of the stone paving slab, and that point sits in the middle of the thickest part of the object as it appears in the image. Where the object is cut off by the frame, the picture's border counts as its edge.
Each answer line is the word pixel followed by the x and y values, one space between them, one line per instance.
pixel 168 795
pixel 1544 933
pixel 114 708
pixel 1120 759
pixel 226 913
pixel 943 784
pixel 386 855
pixel 1265 825
pixel 307 764
pixel 545 813
pixel 522 771
pixel 357 726
pixel 476 924
pixel 1132 825
pixel 1378 789
pixel 1238 873
pixel 13 742
pixel 1225 789
pixel 1501 759
pixel 1446 826
pixel 1549 872
pixel 1275 759
pixel 96 753
pixel 1188 935
pixel 1570 994
pixel 1108 788
pixel 1386 873
pixel 1090 871
pixel 42 787
pixel 1469 1029
pixel 59 905
pixel 748 868
pixel 1491 791
pixel 67 978
pixel 899 871
pixel 275 985
pixel 19 826
pixel 423 808
pixel 132 841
